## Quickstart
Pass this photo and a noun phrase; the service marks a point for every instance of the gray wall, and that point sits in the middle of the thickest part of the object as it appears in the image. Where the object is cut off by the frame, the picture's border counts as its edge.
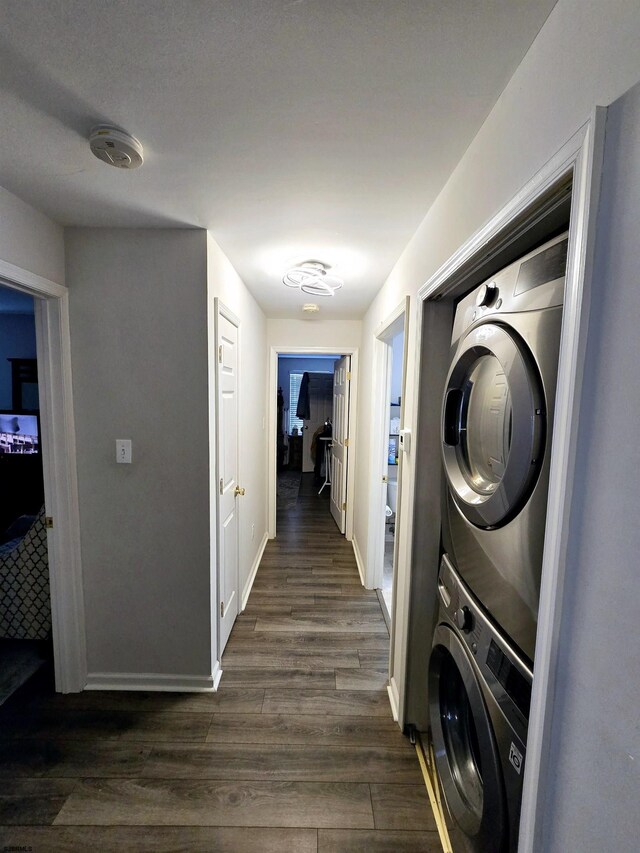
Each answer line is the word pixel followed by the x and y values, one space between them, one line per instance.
pixel 138 311
pixel 29 239
pixel 17 340
pixel 593 801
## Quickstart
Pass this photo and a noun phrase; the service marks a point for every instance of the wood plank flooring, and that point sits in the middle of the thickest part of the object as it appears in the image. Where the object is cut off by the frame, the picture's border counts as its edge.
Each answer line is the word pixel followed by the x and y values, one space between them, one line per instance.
pixel 297 751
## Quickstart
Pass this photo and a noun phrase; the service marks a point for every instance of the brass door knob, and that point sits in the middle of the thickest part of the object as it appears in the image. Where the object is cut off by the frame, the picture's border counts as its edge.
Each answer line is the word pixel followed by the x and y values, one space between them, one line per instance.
pixel 238 491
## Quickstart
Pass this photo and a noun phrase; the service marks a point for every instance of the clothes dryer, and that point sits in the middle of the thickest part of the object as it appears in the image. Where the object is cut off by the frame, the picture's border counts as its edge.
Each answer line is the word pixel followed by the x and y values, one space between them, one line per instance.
pixel 479 697
pixel 497 416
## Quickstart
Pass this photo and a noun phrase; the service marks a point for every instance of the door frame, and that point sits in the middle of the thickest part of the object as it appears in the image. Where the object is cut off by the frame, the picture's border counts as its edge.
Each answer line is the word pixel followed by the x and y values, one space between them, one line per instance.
pixel 272 409
pixel 341 521
pixel 214 468
pixel 581 159
pixel 380 404
pixel 53 346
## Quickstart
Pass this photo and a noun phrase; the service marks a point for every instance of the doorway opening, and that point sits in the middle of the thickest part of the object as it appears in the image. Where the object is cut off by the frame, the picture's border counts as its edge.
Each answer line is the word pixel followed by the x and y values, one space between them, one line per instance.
pixel 391 458
pixel 312 408
pixel 387 453
pixel 304 429
pixel 44 398
pixel 25 599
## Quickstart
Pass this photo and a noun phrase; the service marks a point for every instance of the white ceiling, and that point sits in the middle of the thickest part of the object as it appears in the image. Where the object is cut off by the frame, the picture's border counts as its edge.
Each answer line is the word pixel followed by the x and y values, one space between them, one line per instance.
pixel 289 128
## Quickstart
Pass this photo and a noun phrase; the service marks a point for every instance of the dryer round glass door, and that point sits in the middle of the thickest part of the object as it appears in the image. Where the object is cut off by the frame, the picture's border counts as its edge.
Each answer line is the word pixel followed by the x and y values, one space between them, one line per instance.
pixel 464 745
pixel 493 425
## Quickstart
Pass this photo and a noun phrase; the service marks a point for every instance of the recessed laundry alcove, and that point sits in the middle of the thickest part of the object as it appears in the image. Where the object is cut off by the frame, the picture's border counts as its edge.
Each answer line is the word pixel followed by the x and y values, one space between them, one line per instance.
pixel 558 198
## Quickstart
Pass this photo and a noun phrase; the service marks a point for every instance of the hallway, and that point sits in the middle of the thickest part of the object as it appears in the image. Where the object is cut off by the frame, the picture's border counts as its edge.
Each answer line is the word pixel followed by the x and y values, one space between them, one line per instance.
pixel 298 740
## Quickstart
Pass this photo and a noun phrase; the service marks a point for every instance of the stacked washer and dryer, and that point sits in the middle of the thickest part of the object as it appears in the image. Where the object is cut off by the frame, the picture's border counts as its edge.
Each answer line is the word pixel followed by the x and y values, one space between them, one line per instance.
pixel 497 416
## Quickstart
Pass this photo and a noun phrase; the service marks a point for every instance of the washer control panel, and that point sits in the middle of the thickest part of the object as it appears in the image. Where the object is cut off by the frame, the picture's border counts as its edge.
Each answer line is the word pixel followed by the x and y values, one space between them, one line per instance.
pixel 508 676
pixel 464 619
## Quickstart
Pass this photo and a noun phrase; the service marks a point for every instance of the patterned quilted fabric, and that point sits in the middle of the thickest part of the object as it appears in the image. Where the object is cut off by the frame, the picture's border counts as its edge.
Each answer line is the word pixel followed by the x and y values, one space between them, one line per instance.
pixel 25 602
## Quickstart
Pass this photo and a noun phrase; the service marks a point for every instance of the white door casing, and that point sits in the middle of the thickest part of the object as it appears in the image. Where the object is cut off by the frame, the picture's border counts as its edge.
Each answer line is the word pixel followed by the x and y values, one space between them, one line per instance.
pixel 53 341
pixel 394 323
pixel 227 459
pixel 340 442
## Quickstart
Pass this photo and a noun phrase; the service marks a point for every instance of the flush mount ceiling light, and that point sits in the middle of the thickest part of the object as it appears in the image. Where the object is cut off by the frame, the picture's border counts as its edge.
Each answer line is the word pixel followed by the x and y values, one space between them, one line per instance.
pixel 313 277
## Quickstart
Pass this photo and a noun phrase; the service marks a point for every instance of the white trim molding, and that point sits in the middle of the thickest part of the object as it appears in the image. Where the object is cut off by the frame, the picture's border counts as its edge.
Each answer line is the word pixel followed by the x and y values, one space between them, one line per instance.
pixel 584 155
pixel 29 282
pixel 216 674
pixel 384 328
pixel 379 431
pixel 154 681
pixel 392 692
pixel 359 561
pixel 53 342
pixel 246 592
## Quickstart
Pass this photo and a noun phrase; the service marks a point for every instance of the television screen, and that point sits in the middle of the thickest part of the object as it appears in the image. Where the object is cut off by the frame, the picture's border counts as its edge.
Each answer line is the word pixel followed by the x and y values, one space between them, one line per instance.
pixel 18 433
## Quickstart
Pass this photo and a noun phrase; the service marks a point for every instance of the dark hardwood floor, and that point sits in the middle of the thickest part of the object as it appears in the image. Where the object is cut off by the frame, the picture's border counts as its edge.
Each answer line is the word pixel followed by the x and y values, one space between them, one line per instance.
pixel 297 751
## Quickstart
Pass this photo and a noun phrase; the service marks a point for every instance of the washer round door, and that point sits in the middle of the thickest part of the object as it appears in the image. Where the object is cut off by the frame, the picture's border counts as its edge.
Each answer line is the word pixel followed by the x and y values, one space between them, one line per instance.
pixel 465 749
pixel 493 425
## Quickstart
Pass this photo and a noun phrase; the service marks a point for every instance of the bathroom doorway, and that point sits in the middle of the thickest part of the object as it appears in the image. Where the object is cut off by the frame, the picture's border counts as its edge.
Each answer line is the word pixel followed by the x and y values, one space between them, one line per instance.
pixel 387 452
pixel 392 453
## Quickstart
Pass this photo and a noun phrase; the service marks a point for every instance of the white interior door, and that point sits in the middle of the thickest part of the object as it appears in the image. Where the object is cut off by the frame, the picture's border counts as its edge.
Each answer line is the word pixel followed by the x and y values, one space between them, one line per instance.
pixel 340 443
pixel 227 441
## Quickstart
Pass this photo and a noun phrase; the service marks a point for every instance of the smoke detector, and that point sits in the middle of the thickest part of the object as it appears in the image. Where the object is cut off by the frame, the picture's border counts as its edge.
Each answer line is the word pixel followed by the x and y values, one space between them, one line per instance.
pixel 115 147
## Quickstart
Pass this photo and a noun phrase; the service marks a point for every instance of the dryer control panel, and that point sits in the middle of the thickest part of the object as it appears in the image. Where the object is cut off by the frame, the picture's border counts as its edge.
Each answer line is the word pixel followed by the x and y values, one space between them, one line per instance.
pixel 532 283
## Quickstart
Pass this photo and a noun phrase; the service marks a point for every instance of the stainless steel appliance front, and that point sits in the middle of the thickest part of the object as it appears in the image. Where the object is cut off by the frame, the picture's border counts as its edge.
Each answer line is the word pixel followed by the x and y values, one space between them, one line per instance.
pixel 479 696
pixel 496 426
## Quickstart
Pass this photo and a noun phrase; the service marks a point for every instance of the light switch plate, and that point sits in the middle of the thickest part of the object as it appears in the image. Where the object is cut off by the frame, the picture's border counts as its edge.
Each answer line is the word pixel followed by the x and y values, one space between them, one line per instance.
pixel 405 440
pixel 123 450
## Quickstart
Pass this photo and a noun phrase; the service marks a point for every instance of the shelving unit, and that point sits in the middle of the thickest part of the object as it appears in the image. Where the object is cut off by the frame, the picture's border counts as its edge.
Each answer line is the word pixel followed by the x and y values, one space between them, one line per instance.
pixel 394 434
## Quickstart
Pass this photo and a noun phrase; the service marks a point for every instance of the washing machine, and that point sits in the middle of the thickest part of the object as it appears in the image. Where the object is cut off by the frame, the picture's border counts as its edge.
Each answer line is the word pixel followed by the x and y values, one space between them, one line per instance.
pixel 479 697
pixel 497 416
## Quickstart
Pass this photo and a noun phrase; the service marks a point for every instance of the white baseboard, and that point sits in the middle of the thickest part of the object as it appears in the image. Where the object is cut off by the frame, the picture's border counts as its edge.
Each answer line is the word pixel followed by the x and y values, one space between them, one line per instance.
pixel 154 681
pixel 216 675
pixel 359 562
pixel 393 698
pixel 254 570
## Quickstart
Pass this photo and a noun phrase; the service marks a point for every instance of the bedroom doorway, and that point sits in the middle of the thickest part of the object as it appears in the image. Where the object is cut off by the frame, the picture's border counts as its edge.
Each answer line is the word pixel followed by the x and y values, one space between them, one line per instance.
pixel 304 426
pixel 25 599
pixel 302 458
pixel 57 440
